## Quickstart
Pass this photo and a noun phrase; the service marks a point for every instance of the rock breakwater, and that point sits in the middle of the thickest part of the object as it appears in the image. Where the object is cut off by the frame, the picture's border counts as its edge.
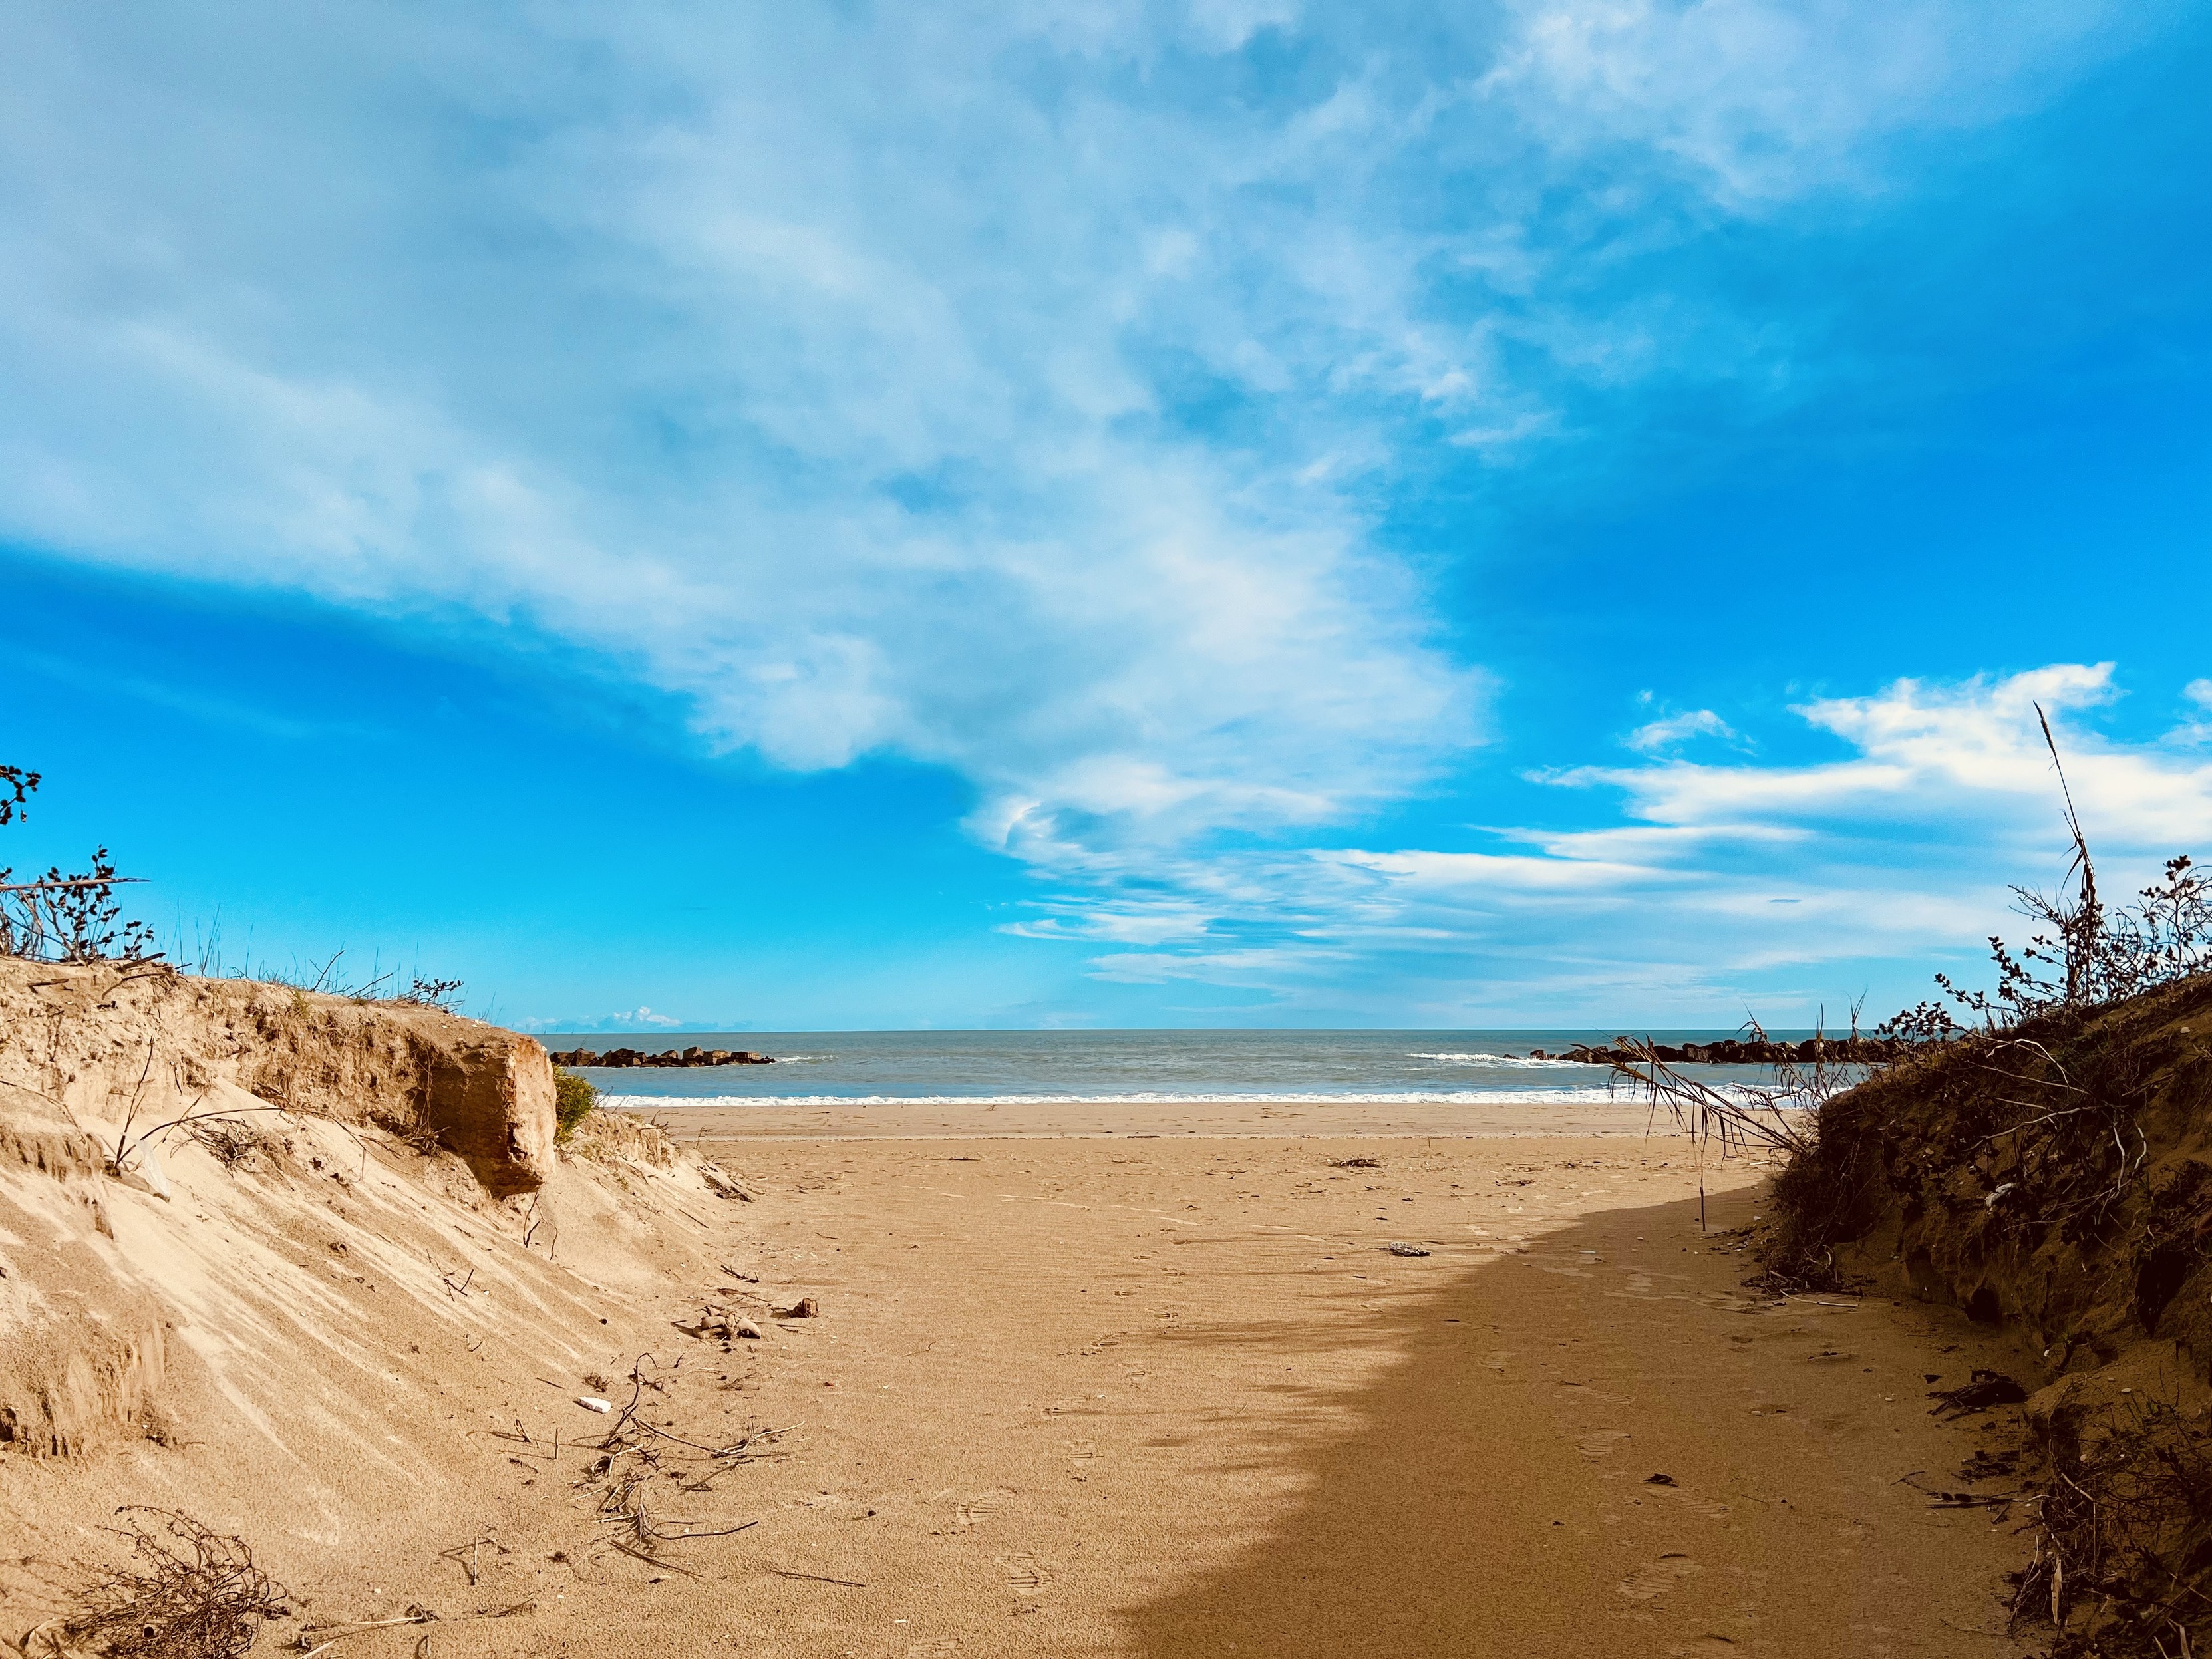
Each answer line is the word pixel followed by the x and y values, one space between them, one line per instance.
pixel 1832 1050
pixel 669 1057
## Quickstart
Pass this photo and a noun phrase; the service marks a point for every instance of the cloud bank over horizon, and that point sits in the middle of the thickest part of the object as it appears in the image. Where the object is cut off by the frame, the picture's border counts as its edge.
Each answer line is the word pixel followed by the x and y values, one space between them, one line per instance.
pixel 1038 393
pixel 1709 873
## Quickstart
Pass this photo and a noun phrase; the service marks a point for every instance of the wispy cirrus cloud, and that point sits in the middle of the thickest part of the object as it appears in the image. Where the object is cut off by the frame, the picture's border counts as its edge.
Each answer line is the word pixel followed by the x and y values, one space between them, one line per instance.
pixel 1762 102
pixel 1720 881
pixel 1011 390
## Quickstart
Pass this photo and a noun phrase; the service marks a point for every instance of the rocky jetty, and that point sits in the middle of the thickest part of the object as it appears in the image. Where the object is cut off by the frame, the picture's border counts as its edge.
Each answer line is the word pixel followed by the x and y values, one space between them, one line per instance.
pixel 670 1057
pixel 1834 1051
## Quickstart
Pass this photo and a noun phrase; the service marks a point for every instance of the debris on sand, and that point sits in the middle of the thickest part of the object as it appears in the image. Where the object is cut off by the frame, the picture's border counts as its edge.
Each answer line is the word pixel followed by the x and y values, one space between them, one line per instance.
pixel 716 1323
pixel 640 1460
pixel 1397 1248
pixel 1978 1393
pixel 722 1184
pixel 1356 1163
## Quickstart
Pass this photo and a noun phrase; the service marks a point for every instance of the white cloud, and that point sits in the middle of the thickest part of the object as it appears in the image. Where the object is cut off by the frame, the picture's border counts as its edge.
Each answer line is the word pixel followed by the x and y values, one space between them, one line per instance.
pixel 1766 101
pixel 631 1019
pixel 1673 729
pixel 1729 881
pixel 1974 746
pixel 862 383
pixel 2199 730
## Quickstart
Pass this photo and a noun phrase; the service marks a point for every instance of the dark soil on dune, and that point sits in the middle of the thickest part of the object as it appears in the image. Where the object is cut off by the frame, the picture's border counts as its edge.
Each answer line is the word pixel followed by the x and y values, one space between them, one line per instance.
pixel 2056 1179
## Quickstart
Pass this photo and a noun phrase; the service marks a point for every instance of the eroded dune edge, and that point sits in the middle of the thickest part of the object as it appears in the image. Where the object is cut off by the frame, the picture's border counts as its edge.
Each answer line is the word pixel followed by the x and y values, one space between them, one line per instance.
pixel 315 1273
pixel 960 1393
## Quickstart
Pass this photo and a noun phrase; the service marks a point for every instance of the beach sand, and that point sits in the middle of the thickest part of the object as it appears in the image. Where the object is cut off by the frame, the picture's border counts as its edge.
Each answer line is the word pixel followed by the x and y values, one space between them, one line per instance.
pixel 1172 1397
pixel 1149 1392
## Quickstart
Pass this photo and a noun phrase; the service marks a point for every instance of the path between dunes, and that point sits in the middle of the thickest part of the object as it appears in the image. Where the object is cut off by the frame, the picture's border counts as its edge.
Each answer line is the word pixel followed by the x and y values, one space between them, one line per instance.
pixel 1170 1397
pixel 1145 1396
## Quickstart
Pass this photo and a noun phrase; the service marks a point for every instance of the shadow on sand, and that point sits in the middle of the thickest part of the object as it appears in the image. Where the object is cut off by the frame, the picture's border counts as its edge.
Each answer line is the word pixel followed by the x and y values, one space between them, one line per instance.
pixel 1608 1446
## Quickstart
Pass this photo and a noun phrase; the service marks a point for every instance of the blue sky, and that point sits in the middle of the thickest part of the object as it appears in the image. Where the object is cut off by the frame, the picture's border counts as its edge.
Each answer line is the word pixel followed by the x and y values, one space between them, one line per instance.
pixel 1228 513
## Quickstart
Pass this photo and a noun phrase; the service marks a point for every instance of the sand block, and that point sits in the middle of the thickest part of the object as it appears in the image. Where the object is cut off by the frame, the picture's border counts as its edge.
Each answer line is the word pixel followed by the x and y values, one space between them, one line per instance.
pixel 119 1047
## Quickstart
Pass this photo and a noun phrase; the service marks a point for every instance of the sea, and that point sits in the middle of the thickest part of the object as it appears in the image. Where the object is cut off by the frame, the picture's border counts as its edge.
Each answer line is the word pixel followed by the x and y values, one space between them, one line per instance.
pixel 897 1067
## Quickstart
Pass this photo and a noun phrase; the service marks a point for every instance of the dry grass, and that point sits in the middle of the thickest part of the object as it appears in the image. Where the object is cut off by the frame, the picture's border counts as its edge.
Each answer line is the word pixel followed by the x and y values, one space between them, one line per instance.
pixel 187 1592
pixel 2122 1564
pixel 615 1138
pixel 231 1144
pixel 1777 1121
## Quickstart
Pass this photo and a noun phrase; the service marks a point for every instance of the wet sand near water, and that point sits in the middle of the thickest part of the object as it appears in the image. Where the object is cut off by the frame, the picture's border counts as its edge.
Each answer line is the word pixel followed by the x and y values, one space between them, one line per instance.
pixel 1173 1398
pixel 1122 1119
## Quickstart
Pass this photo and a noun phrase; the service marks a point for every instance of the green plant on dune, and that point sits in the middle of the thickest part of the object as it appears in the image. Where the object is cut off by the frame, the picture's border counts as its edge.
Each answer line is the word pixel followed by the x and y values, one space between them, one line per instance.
pixel 573 1099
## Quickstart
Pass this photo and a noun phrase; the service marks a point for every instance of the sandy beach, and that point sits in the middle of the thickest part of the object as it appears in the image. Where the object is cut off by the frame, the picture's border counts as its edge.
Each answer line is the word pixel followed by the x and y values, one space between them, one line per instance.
pixel 1176 1397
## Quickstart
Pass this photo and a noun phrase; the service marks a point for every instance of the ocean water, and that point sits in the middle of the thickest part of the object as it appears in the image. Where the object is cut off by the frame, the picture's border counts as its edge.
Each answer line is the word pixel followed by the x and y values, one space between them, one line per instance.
pixel 892 1067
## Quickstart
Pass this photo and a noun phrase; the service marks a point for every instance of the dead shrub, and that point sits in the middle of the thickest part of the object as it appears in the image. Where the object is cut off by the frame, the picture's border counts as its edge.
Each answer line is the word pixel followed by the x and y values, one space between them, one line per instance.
pixel 188 1593
pixel 2122 1564
pixel 231 1144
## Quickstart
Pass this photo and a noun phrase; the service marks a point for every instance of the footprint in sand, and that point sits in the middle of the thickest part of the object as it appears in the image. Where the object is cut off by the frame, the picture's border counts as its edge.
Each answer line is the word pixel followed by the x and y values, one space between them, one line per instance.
pixel 1023 1571
pixel 1496 1362
pixel 1690 1501
pixel 1603 1443
pixel 1586 1394
pixel 1654 1578
pixel 974 1511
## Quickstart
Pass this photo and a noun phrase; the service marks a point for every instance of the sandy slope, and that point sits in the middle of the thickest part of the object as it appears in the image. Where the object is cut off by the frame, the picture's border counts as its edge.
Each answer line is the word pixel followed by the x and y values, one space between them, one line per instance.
pixel 1161 1397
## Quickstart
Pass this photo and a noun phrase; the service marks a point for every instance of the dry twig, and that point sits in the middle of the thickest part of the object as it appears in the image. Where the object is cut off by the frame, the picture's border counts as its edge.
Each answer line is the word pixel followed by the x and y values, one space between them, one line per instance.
pixel 190 1593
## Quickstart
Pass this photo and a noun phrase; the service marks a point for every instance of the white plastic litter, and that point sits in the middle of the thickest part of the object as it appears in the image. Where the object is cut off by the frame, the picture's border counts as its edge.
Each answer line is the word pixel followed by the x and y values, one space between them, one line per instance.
pixel 591 1402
